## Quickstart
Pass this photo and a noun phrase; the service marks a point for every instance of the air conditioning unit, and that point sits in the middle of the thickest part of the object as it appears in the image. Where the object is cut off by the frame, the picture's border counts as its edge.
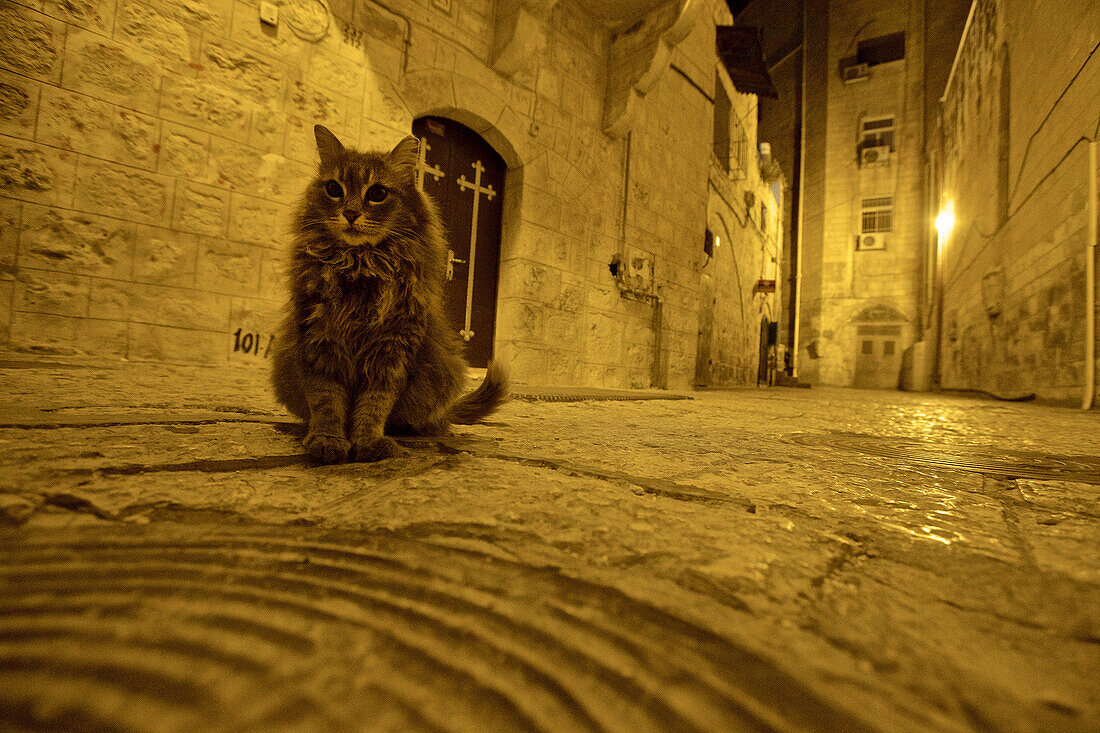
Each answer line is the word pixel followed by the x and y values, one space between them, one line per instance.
pixel 876 155
pixel 855 73
pixel 866 242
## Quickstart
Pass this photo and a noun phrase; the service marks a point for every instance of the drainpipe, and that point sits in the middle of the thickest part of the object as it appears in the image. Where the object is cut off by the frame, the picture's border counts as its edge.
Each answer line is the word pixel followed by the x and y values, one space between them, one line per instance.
pixel 797 315
pixel 1090 287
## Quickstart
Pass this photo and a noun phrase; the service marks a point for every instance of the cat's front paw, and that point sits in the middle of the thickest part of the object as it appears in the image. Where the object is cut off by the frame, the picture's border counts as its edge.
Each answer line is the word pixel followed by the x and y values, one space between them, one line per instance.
pixel 326 448
pixel 378 449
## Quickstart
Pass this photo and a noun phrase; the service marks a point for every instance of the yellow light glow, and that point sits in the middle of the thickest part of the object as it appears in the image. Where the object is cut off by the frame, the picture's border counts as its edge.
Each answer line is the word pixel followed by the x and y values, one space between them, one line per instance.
pixel 717 241
pixel 945 222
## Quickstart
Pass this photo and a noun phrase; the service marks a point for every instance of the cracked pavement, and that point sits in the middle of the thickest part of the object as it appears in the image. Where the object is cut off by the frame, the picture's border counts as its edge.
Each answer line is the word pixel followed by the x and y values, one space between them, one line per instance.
pixel 749 559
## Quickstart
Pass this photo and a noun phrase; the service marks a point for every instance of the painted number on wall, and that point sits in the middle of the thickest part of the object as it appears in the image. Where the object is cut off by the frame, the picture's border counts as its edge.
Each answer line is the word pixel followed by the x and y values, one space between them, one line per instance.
pixel 252 343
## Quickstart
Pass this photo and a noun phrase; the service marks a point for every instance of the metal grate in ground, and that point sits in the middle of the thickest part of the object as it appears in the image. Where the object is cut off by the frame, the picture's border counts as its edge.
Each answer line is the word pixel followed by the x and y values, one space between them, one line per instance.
pixel 581 394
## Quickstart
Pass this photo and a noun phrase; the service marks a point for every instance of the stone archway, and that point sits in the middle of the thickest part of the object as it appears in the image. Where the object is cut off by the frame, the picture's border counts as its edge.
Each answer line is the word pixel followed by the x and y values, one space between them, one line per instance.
pixel 464 175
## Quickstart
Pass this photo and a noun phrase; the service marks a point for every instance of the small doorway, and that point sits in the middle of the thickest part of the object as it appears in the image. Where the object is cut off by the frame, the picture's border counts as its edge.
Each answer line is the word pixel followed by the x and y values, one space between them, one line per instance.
pixel 465 177
pixel 878 359
pixel 766 365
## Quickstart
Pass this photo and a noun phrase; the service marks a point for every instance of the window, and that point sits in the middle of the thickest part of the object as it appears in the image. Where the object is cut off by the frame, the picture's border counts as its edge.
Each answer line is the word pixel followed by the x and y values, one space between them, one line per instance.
pixel 763 215
pixel 888 348
pixel 877 215
pixel 881 50
pixel 877 132
pixel 868 347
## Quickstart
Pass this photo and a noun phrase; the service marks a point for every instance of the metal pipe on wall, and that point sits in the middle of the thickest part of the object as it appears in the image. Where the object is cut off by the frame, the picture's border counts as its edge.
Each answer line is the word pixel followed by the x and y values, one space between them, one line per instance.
pixel 1090 286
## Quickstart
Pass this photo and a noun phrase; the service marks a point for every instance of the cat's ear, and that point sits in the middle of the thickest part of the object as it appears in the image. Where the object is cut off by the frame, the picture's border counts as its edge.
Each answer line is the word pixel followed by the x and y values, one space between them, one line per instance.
pixel 327 144
pixel 404 156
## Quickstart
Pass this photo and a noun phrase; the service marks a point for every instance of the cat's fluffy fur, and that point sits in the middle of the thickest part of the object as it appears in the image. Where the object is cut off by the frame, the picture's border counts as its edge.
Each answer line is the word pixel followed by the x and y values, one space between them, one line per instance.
pixel 365 348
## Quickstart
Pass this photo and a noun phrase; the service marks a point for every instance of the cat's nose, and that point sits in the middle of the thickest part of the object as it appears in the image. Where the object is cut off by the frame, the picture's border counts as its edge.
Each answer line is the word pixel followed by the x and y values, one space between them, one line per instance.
pixel 351 216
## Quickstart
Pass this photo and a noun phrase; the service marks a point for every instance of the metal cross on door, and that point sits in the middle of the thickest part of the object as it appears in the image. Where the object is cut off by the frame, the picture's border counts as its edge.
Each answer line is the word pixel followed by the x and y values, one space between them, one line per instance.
pixel 465 177
pixel 478 190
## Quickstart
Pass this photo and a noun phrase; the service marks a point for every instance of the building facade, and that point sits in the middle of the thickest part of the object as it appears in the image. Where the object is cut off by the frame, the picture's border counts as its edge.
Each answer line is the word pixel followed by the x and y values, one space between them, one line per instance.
pixel 1012 160
pixel 151 154
pixel 863 230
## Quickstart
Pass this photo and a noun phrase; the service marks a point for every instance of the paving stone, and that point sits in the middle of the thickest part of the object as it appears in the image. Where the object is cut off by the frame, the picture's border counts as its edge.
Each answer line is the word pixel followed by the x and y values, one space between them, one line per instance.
pixel 786 559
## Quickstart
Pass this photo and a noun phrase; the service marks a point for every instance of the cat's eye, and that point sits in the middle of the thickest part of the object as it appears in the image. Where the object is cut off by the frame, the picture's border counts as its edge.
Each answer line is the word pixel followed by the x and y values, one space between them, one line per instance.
pixel 334 189
pixel 377 194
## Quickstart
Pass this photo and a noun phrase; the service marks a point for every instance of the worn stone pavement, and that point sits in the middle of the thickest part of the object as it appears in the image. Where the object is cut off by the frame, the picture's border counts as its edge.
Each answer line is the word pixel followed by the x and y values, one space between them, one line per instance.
pixel 752 559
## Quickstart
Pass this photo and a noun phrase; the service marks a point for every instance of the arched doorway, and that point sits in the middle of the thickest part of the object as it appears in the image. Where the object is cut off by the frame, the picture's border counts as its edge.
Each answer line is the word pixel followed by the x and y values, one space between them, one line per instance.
pixel 879 333
pixel 465 177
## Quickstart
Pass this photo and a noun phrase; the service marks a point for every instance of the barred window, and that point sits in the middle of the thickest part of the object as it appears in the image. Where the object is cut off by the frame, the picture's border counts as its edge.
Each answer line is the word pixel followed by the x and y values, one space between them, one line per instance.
pixel 878 215
pixel 877 133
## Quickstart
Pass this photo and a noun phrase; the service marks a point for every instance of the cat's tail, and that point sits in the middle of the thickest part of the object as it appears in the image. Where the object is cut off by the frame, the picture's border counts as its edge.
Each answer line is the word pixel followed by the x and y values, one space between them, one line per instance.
pixel 489 395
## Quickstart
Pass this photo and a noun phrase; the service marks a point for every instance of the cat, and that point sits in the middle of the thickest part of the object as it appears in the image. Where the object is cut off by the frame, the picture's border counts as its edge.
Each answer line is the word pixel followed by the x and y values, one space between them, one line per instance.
pixel 365 349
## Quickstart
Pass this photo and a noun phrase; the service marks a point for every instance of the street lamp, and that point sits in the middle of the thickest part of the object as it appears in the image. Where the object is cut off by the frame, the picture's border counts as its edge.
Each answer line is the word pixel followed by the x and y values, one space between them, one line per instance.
pixel 945 222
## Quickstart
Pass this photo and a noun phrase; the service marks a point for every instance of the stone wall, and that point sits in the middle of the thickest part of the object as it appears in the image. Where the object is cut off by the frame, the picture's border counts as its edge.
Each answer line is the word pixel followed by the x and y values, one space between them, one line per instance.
pixel 745 219
pixel 150 154
pixel 1017 117
pixel 842 287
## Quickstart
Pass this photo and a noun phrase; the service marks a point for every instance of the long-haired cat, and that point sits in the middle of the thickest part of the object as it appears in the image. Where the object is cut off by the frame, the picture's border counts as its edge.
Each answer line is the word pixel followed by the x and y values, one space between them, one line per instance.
pixel 365 348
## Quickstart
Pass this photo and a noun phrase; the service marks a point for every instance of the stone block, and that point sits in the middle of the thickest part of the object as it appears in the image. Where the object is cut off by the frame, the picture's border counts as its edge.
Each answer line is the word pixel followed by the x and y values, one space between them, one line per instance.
pixel 604 376
pixel 183 151
pixel 539 244
pixel 150 27
pixel 201 209
pixel 7 287
pixel 273 281
pixel 603 338
pixel 280 42
pixel 85 125
pixel 521 320
pixel 11 220
pixel 32 172
pixel 373 136
pixel 42 333
pixel 37 291
pixel 335 73
pixel 526 364
pixel 107 70
pixel 258 221
pixel 254 76
pixel 77 243
pixel 424 90
pixel 156 304
pixel 563 328
pixel 243 168
pixel 95 15
pixel 176 345
pixel 228 267
pixel 124 192
pixel 165 257
pixel 31 44
pixel 18 105
pixel 101 338
pixel 313 104
pixel 204 104
pixel 252 328
pixel 541 208
pixel 531 281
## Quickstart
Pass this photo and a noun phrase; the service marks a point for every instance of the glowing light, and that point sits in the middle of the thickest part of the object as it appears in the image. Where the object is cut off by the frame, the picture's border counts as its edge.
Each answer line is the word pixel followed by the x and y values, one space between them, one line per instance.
pixel 945 222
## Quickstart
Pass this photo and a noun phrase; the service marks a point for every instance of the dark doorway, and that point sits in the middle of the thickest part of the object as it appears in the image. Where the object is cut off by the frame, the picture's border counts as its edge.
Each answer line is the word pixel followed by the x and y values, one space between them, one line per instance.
pixel 766 366
pixel 464 176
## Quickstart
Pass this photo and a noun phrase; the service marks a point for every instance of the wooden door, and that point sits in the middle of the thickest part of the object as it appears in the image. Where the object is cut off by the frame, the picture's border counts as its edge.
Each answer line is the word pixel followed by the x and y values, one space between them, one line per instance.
pixel 465 177
pixel 878 357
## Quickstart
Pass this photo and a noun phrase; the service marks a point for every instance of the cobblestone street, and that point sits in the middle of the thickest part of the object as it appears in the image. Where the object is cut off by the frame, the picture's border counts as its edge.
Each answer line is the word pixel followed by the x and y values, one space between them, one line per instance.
pixel 779 559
